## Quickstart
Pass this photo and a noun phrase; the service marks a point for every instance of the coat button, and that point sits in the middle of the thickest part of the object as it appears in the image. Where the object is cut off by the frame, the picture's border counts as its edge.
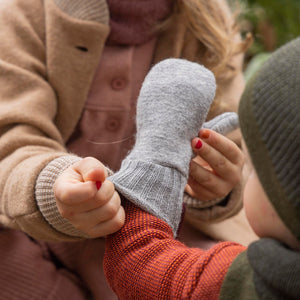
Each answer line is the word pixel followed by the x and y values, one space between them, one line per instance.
pixel 118 84
pixel 112 124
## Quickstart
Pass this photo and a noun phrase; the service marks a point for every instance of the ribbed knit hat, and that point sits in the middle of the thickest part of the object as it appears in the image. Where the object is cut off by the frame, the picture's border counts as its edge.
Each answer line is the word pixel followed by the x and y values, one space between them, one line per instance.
pixel 269 115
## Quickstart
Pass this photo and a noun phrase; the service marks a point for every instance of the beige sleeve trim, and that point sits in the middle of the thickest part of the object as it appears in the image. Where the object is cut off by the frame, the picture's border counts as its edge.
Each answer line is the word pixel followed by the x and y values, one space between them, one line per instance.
pixel 45 198
pixel 212 211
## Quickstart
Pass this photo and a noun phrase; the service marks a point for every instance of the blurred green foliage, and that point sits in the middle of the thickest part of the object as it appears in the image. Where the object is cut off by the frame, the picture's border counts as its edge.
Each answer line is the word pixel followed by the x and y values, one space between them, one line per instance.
pixel 271 22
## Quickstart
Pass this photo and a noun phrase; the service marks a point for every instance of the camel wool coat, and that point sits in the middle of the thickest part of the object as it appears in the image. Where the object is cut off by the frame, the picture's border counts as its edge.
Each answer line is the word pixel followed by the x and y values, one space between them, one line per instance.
pixel 49 52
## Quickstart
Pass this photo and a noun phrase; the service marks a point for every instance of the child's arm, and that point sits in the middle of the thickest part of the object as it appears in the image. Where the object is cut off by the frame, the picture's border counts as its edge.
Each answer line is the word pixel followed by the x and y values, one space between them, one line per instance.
pixel 144 261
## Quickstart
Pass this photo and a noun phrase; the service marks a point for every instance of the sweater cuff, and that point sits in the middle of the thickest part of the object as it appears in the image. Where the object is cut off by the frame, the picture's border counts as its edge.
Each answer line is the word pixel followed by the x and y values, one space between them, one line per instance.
pixel 45 198
pixel 215 210
pixel 149 186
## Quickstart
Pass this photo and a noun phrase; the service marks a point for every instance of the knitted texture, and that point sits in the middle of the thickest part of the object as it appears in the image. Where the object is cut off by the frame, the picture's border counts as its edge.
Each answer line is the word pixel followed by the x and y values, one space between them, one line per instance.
pixel 215 210
pixel 134 22
pixel 143 261
pixel 276 269
pixel 30 270
pixel 270 122
pixel 45 198
pixel 94 10
pixel 172 106
pixel 223 123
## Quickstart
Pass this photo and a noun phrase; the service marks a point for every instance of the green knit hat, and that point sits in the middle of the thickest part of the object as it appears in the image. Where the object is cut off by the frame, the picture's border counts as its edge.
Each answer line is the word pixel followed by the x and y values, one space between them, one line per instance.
pixel 269 115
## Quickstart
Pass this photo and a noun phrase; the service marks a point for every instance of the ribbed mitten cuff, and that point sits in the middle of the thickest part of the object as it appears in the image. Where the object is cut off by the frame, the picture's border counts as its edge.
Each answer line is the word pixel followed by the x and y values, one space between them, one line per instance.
pixel 151 186
pixel 45 198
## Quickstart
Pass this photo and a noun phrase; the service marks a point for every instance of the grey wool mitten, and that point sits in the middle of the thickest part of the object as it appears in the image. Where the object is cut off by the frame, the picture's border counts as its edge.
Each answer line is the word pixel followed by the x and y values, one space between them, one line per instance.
pixel 172 106
pixel 223 123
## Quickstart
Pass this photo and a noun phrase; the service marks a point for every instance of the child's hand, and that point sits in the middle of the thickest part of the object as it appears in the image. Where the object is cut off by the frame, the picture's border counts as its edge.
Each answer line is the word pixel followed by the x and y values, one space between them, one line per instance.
pixel 217 167
pixel 87 200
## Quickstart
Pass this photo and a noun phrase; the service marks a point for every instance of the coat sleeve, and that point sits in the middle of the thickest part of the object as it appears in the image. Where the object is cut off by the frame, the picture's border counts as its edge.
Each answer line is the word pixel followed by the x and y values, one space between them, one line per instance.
pixel 31 137
pixel 28 104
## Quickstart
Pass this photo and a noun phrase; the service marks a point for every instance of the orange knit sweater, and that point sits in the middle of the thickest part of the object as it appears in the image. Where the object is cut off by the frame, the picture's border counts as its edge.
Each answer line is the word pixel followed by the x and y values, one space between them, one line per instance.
pixel 144 261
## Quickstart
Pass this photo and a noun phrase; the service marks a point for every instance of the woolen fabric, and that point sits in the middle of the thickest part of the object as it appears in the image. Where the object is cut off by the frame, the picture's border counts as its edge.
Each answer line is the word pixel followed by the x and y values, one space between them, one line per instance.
pixel 49 53
pixel 270 122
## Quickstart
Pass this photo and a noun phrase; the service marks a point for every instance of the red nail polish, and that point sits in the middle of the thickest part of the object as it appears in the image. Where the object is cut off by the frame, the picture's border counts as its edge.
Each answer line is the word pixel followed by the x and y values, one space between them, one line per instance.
pixel 98 184
pixel 205 134
pixel 198 145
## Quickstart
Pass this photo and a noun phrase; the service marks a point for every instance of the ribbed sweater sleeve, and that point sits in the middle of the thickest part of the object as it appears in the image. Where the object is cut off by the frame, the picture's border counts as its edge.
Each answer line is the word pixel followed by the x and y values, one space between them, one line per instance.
pixel 144 261
pixel 45 197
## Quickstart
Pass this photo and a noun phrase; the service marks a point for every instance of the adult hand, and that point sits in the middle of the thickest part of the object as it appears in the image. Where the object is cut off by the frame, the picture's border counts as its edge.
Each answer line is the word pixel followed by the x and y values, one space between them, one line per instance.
pixel 216 169
pixel 88 200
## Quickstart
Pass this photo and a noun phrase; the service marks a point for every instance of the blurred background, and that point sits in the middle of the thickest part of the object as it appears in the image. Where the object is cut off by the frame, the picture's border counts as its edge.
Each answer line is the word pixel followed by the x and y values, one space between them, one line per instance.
pixel 272 24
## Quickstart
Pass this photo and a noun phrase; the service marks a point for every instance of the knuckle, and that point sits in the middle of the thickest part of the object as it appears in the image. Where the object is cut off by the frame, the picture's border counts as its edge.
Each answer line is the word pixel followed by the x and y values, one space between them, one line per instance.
pixel 119 222
pixel 110 187
pixel 87 159
pixel 205 150
pixel 112 209
pixel 220 163
pixel 192 169
pixel 89 193
pixel 197 176
pixel 206 179
pixel 65 196
pixel 114 225
pixel 107 191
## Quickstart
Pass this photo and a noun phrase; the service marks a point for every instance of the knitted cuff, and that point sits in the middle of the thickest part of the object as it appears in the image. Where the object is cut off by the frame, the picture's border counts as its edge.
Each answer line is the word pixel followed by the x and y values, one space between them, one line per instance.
pixel 216 210
pixel 45 198
pixel 192 202
pixel 151 186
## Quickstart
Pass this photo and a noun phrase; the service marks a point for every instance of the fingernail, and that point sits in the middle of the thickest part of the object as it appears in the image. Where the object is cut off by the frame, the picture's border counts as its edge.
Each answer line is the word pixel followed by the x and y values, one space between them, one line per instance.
pixel 98 185
pixel 198 145
pixel 205 134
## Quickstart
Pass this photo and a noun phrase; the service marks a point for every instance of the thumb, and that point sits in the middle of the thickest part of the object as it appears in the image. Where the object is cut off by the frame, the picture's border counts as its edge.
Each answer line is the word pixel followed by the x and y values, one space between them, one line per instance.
pixel 91 169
